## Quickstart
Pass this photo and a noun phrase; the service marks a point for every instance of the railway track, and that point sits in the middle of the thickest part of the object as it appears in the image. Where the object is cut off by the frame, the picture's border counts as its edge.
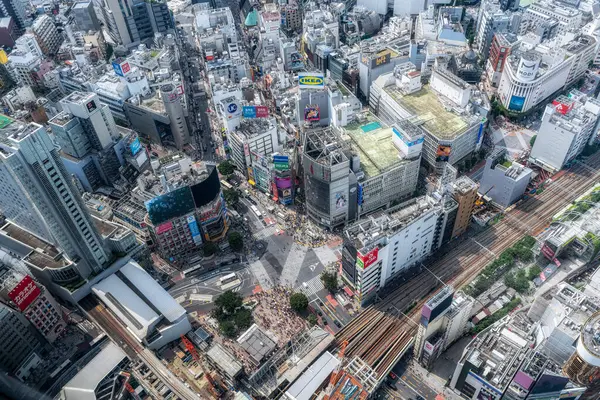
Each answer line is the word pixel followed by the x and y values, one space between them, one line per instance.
pixel 382 331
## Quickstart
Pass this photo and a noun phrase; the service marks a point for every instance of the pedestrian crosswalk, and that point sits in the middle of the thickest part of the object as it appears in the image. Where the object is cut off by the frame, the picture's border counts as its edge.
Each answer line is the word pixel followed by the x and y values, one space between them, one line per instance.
pixel 312 286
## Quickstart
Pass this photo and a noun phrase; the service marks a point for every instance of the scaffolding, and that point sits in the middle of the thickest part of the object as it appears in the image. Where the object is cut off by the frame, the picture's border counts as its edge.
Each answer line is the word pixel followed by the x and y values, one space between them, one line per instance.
pixel 273 377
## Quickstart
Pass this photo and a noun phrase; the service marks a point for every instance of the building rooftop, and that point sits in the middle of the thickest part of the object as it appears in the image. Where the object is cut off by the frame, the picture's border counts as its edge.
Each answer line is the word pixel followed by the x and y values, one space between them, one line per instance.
pixel 83 385
pixel 314 376
pixel 429 112
pixel 373 142
pixel 256 343
pixel 254 127
pixel 224 360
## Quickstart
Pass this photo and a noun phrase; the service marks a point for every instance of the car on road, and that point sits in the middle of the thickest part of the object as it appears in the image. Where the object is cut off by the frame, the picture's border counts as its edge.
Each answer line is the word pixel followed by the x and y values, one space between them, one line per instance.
pixel 337 323
pixel 320 313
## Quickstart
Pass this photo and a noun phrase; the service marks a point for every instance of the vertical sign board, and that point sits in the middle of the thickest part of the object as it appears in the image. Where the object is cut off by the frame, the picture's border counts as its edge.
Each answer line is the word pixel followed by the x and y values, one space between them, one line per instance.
pixel 166 227
pixel 262 111
pixel 365 261
pixel 193 225
pixel 135 146
pixel 24 293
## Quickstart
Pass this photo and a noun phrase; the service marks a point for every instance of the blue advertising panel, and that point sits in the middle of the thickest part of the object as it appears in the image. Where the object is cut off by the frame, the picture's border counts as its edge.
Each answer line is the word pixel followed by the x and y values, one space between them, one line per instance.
pixel 193 225
pixel 249 112
pixel 135 146
pixel 117 67
pixel 407 142
pixel 516 103
pixel 359 195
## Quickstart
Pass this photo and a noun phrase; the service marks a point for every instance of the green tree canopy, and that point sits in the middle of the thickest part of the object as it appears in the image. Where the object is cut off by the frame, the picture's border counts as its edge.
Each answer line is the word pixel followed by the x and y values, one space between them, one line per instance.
pixel 330 281
pixel 232 197
pixel 243 319
pixel 298 302
pixel 228 328
pixel 209 248
pixel 236 241
pixel 312 319
pixel 226 168
pixel 532 140
pixel 229 301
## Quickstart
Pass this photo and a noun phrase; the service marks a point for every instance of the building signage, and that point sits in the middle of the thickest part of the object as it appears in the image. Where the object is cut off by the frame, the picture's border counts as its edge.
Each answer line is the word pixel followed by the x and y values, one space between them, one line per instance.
pixel 249 112
pixel 166 227
pixel 562 107
pixel 365 261
pixel 359 194
pixel 311 113
pixel 428 347
pixel 91 106
pixel 443 153
pixel 24 293
pixel 193 225
pixel 180 90
pixel 262 111
pixel 232 108
pixel 121 68
pixel 281 163
pixel 311 80
pixel 407 142
pixel 381 59
pixel 548 252
pixel 135 146
pixel 516 103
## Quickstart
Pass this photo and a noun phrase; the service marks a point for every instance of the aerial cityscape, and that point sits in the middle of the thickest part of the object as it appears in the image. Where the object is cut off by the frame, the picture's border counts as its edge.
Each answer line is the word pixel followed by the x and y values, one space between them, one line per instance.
pixel 300 199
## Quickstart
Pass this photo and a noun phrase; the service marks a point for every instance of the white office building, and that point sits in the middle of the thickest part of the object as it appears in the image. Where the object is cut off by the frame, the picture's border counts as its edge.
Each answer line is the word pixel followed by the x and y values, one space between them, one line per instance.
pixel 532 76
pixel 568 124
pixel 257 136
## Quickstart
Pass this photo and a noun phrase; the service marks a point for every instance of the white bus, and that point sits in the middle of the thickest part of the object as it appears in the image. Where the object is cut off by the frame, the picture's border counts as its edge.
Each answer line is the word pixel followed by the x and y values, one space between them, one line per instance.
pixel 224 280
pixel 255 210
pixel 225 184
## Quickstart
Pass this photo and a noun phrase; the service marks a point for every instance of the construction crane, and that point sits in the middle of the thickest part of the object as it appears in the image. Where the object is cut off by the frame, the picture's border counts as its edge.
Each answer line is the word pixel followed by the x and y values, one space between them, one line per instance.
pixel 192 349
pixel 479 200
pixel 334 374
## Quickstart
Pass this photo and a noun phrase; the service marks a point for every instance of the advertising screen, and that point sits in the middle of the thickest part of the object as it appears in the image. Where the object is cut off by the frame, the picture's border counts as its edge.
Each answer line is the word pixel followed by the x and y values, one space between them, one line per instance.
pixel 548 251
pixel 206 191
pixel 341 200
pixel 135 146
pixel 166 227
pixel 24 293
pixel 348 262
pixel 311 80
pixel 193 226
pixel 516 103
pixel 91 106
pixel 311 113
pixel 562 107
pixel 381 59
pixel 170 205
pixel 443 153
pixel 281 163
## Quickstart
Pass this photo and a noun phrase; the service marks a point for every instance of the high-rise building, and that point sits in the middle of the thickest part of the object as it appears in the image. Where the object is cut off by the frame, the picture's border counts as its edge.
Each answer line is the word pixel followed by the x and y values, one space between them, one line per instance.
pixel 33 166
pixel 568 124
pixel 19 343
pixel 504 181
pixel 132 22
pixel 464 191
pixel 490 20
pixel 179 129
pixel 89 140
pixel 502 45
pixel 47 35
pixel 84 16
pixel 16 10
pixel 24 294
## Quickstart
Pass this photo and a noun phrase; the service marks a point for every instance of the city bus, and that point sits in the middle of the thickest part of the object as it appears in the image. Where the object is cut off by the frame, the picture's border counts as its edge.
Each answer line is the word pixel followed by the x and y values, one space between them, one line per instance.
pixel 255 210
pixel 226 184
pixel 224 280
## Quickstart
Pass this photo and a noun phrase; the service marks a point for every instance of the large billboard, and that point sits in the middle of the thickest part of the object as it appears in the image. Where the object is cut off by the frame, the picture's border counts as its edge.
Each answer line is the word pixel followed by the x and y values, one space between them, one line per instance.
pixel 281 163
pixel 170 205
pixel 516 103
pixel 166 227
pixel 135 146
pixel 381 59
pixel 429 313
pixel 443 153
pixel 193 226
pixel 312 113
pixel 24 293
pixel 206 191
pixel 365 261
pixel 233 109
pixel 255 111
pixel 549 251
pixel 121 67
pixel 311 80
pixel 407 142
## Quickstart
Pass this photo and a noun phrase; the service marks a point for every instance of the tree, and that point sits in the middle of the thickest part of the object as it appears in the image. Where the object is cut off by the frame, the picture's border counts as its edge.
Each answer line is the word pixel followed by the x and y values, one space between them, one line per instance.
pixel 330 281
pixel 226 168
pixel 312 319
pixel 229 301
pixel 517 281
pixel 227 328
pixel 232 197
pixel 298 302
pixel 236 241
pixel 532 140
pixel 243 318
pixel 209 249
pixel 533 272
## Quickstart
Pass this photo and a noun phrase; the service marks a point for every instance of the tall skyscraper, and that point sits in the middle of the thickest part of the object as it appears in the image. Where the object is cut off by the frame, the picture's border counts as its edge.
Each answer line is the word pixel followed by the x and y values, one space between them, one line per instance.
pixel 14 9
pixel 18 340
pixel 33 173
pixel 88 137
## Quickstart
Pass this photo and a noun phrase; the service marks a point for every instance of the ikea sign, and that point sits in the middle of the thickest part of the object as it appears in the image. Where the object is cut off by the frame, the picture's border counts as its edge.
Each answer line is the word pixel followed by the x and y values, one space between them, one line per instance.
pixel 311 80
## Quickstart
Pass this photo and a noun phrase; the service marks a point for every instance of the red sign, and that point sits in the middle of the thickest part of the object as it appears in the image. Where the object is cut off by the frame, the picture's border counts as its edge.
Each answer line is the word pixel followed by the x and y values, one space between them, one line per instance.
pixel 262 111
pixel 125 67
pixel 561 107
pixel 180 90
pixel 166 227
pixel 24 293
pixel 548 252
pixel 369 258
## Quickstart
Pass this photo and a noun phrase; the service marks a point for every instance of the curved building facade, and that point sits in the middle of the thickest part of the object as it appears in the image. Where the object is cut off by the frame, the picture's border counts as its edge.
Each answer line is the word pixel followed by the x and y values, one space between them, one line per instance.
pixel 584 365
